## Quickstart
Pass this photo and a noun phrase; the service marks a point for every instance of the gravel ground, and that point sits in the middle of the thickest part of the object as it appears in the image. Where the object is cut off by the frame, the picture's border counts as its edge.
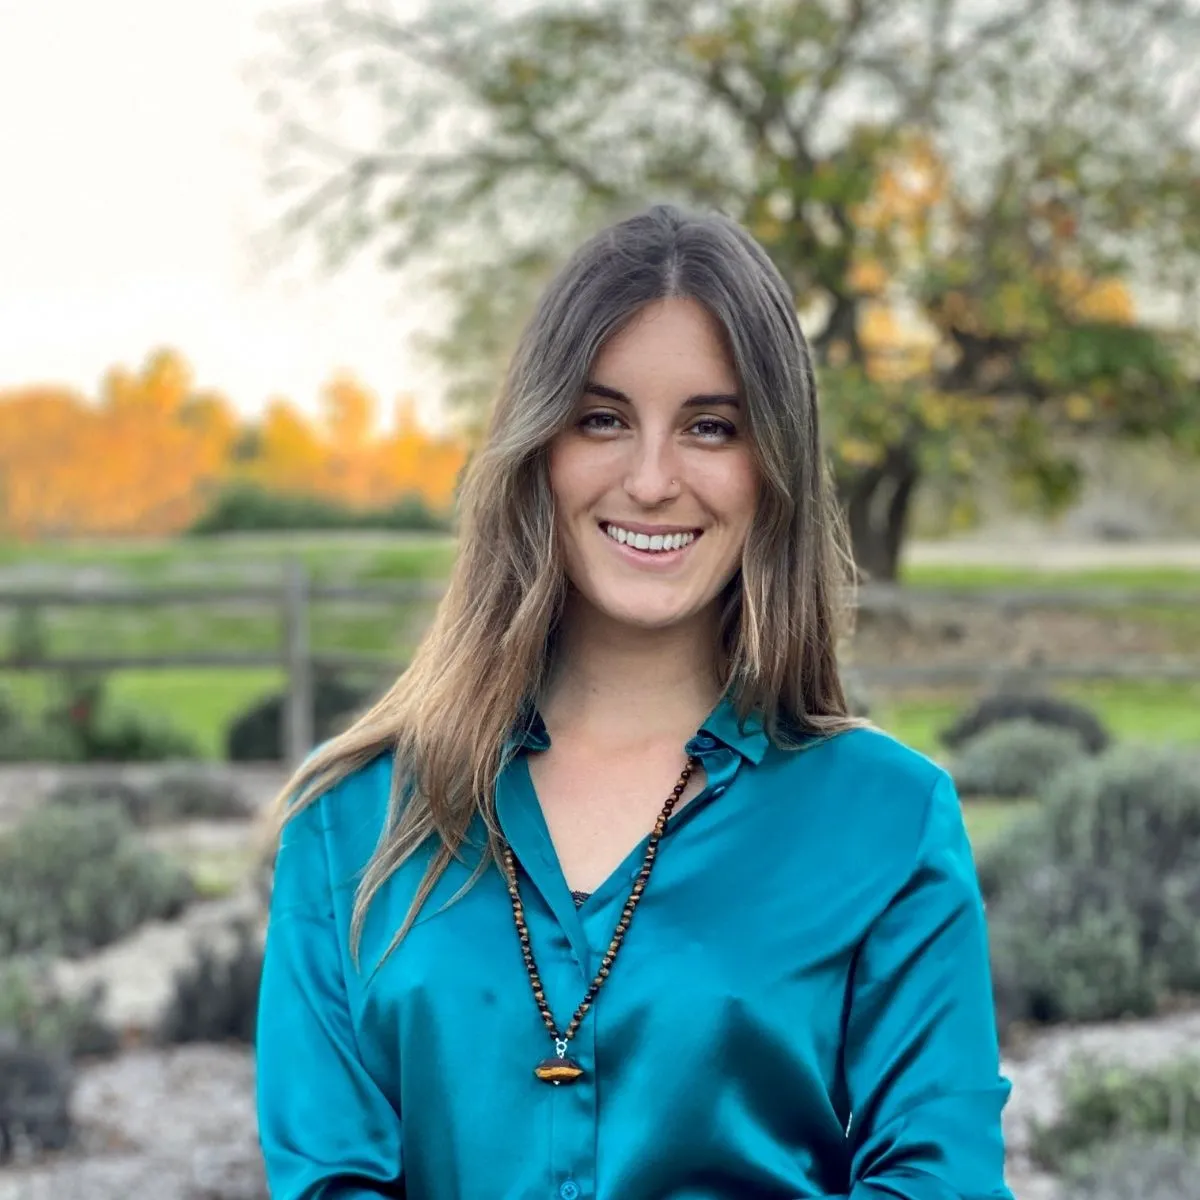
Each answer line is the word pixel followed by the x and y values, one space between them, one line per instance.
pixel 179 1124
pixel 165 1125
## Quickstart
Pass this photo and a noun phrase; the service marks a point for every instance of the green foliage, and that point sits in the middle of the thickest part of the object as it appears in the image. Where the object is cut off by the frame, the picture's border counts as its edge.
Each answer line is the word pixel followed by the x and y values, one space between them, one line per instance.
pixel 116 735
pixel 1103 1104
pixel 216 998
pixel 183 793
pixel 75 879
pixel 28 741
pixel 1012 857
pixel 132 800
pixel 1136 1169
pixel 37 1014
pixel 179 793
pixel 28 634
pixel 1092 902
pixel 1014 759
pixel 1045 710
pixel 82 725
pixel 248 508
pixel 257 734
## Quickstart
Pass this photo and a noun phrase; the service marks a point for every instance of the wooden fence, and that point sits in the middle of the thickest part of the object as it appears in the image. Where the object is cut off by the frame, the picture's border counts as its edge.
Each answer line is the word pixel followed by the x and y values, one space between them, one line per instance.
pixel 295 655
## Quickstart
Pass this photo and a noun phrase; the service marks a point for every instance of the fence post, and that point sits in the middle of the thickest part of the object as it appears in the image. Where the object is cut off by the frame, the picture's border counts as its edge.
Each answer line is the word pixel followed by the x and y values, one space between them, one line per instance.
pixel 298 734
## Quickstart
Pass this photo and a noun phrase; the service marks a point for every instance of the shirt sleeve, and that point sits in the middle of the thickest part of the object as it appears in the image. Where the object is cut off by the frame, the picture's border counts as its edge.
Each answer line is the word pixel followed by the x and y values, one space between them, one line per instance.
pixel 921 1053
pixel 326 1129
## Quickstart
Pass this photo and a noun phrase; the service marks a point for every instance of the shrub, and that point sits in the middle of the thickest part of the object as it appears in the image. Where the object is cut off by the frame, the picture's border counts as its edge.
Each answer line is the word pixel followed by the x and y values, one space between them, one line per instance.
pixel 118 735
pixel 1092 902
pixel 1137 806
pixel 247 507
pixel 1063 948
pixel 257 735
pixel 1137 1168
pixel 1001 707
pixel 180 793
pixel 1013 759
pixel 184 793
pixel 35 1099
pixel 1102 1104
pixel 24 741
pixel 1004 861
pixel 132 800
pixel 33 1010
pixel 81 726
pixel 216 998
pixel 74 880
pixel 9 716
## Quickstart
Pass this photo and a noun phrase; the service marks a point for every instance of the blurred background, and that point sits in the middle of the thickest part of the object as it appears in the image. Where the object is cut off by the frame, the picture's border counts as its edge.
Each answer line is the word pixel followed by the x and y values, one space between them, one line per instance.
pixel 261 266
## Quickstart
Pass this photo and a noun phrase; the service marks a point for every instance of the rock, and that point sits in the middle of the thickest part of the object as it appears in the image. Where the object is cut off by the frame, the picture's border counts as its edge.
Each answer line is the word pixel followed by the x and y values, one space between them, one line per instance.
pixel 174 1124
pixel 137 974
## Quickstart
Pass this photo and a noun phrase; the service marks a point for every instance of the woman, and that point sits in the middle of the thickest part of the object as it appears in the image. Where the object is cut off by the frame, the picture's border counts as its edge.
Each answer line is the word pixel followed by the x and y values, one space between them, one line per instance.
pixel 609 896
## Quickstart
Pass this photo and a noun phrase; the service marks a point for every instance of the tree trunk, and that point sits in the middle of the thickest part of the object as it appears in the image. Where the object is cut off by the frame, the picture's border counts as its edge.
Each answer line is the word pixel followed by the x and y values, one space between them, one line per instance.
pixel 877 503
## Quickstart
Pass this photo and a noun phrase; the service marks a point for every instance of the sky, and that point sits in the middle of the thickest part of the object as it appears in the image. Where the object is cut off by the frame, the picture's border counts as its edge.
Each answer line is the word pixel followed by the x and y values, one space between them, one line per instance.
pixel 130 189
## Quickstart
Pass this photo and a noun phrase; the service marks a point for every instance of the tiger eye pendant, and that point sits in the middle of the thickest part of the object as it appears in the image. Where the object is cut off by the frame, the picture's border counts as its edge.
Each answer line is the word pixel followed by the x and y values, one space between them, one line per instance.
pixel 559 1069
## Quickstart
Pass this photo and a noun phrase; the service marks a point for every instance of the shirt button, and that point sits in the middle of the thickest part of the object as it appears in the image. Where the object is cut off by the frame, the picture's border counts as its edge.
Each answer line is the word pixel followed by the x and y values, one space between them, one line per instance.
pixel 569 1190
pixel 704 742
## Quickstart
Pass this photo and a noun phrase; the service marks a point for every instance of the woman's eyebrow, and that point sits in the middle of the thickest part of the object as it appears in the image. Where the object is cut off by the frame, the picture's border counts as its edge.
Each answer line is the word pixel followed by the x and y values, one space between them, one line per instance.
pixel 702 400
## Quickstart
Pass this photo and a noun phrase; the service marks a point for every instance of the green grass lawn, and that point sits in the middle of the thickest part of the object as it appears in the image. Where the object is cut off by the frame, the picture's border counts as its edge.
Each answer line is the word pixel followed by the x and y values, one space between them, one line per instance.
pixel 338 557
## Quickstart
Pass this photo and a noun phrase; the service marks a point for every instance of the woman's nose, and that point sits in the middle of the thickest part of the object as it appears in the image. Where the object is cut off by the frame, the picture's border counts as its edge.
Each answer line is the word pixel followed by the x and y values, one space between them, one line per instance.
pixel 653 473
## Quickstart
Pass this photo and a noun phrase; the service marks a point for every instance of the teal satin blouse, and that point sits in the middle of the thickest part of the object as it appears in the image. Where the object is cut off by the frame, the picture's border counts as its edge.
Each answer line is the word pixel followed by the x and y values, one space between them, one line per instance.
pixel 802 1006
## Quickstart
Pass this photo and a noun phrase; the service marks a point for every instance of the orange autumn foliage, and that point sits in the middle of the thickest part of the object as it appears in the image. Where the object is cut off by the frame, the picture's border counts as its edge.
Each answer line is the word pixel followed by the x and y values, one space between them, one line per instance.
pixel 150 452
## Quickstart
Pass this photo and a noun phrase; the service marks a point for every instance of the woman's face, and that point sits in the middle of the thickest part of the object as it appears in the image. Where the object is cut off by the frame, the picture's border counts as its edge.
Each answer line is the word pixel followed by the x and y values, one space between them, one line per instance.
pixel 654 482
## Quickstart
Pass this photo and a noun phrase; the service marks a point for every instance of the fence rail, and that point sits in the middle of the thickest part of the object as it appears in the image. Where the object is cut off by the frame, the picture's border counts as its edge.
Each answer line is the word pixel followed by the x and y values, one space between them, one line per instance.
pixel 295 655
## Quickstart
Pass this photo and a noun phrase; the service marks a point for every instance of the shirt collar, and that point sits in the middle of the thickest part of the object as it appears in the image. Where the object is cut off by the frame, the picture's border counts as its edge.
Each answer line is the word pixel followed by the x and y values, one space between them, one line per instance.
pixel 750 739
pixel 529 732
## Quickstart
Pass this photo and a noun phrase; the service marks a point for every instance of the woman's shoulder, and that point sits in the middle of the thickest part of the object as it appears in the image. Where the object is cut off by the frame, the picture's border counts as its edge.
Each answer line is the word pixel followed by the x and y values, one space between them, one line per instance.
pixel 868 753
pixel 867 776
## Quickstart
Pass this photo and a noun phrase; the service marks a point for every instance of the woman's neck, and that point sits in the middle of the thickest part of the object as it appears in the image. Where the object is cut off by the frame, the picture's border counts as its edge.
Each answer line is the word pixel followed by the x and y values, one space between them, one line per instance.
pixel 624 685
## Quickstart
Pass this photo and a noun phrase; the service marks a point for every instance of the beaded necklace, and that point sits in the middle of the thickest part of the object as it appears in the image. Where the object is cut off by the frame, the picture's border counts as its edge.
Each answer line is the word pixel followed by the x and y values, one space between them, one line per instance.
pixel 561 1068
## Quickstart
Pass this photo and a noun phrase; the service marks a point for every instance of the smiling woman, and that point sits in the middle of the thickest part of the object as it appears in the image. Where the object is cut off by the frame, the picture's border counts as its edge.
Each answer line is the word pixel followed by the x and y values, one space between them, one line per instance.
pixel 609 896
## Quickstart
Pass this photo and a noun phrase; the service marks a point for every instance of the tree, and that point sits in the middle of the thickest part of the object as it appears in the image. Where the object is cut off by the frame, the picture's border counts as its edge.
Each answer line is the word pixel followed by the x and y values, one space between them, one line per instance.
pixel 152 453
pixel 982 173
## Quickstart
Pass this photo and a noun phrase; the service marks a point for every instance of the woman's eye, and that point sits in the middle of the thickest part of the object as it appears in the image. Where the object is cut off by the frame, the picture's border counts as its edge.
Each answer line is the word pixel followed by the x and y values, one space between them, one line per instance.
pixel 601 422
pixel 713 430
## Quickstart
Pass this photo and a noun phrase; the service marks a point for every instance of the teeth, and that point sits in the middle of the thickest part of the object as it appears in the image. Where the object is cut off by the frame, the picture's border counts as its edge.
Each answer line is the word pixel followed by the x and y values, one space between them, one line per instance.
pixel 652 543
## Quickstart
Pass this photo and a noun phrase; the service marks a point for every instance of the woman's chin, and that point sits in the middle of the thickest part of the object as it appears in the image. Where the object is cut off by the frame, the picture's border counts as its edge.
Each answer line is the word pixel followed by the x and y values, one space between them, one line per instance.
pixel 647 615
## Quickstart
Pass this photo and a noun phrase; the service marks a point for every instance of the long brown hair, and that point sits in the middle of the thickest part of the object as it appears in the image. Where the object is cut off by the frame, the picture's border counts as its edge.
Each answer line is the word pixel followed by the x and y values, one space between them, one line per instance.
pixel 447 718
